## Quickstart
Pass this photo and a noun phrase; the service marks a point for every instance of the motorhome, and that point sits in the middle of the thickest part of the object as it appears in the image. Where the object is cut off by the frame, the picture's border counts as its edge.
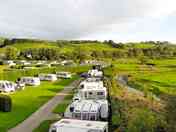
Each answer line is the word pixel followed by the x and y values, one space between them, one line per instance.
pixel 33 81
pixel 65 75
pixel 88 110
pixel 95 73
pixel 71 125
pixel 48 77
pixel 7 86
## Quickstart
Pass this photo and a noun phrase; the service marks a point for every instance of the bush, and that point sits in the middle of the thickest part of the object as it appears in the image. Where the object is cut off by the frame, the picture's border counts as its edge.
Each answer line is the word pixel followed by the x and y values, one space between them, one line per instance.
pixel 5 103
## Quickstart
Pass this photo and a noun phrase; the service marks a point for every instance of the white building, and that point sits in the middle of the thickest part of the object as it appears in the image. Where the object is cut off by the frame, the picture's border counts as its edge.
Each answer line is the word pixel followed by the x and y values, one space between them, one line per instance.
pixel 88 110
pixel 7 86
pixel 70 125
pixel 65 75
pixel 33 81
pixel 48 77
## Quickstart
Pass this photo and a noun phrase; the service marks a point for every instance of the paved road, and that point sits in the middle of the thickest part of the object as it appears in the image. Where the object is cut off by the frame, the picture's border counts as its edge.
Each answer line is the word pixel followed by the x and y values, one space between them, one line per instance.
pixel 44 112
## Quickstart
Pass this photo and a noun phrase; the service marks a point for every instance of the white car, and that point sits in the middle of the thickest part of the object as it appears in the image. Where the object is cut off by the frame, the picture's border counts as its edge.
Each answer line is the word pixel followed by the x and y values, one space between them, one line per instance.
pixel 7 86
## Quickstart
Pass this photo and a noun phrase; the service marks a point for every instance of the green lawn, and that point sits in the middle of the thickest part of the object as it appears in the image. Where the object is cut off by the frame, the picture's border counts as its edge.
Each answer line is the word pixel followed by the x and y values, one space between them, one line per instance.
pixel 44 126
pixel 29 100
pixel 62 106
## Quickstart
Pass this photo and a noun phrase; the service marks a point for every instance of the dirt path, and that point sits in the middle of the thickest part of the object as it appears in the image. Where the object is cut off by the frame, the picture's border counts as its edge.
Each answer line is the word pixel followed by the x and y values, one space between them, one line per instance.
pixel 44 112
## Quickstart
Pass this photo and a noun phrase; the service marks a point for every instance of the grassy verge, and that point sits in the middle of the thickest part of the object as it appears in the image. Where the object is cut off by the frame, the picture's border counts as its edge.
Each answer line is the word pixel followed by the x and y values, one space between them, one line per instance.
pixel 29 100
pixel 62 107
pixel 44 126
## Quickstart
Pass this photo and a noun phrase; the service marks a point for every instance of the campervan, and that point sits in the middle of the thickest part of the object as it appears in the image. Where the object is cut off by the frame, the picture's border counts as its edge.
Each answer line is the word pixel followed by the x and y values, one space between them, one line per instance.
pixel 88 110
pixel 48 77
pixel 71 125
pixel 33 81
pixel 7 86
pixel 65 75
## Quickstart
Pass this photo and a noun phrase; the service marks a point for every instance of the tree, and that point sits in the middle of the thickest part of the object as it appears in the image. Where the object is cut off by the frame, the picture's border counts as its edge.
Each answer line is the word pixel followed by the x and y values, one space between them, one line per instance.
pixel 11 53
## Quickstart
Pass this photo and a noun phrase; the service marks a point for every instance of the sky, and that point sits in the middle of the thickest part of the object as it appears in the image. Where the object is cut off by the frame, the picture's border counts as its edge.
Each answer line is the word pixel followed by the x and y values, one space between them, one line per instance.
pixel 119 20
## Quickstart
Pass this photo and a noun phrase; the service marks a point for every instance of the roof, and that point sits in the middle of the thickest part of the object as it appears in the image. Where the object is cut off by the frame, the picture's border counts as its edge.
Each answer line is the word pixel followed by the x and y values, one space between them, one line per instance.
pixel 72 123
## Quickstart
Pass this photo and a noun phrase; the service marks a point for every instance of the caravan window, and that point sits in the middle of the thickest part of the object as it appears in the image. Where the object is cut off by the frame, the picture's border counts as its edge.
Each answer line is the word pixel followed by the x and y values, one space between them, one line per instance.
pixel 54 130
pixel 92 117
pixel 100 93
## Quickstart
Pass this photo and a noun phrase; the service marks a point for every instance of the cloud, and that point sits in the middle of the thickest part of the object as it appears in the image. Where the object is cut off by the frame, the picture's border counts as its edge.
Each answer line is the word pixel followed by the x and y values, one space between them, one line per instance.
pixel 72 19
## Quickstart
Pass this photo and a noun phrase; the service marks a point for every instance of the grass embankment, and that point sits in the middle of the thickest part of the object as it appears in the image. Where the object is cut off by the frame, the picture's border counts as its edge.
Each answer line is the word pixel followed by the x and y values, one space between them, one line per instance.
pixel 131 112
pixel 29 100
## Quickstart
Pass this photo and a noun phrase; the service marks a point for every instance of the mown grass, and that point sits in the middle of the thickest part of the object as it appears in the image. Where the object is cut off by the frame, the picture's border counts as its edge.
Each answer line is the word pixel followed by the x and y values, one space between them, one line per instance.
pixel 44 126
pixel 62 106
pixel 28 101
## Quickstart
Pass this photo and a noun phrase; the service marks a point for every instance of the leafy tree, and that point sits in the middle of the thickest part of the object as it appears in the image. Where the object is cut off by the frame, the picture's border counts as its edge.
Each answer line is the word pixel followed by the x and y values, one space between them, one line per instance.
pixel 11 53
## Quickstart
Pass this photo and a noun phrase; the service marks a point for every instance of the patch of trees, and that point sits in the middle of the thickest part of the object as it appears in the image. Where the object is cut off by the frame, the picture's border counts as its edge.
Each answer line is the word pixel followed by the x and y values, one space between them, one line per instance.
pixel 41 54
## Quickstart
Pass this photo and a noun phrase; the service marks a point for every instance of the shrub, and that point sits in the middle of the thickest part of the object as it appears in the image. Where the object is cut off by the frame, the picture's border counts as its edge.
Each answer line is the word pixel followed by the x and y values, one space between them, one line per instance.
pixel 5 103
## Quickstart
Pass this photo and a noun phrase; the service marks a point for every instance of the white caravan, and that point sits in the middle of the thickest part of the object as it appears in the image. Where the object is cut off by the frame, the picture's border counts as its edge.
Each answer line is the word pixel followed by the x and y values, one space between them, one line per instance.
pixel 48 77
pixel 7 86
pixel 33 81
pixel 91 93
pixel 71 125
pixel 95 73
pixel 91 88
pixel 65 75
pixel 88 110
pixel 9 63
pixel 91 83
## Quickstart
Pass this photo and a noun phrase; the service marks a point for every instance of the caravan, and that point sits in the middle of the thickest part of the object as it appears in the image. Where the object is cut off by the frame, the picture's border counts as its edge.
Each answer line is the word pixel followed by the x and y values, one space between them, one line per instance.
pixel 7 86
pixel 33 81
pixel 65 75
pixel 71 125
pixel 95 73
pixel 91 88
pixel 48 77
pixel 88 110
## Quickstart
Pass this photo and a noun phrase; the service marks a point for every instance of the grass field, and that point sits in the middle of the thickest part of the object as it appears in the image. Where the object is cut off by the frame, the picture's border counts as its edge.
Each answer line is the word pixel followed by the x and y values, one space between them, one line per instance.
pixel 28 101
pixel 60 109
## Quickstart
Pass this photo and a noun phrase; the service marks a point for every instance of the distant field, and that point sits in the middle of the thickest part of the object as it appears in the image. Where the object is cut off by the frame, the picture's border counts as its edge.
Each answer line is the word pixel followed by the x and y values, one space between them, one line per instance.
pixel 22 46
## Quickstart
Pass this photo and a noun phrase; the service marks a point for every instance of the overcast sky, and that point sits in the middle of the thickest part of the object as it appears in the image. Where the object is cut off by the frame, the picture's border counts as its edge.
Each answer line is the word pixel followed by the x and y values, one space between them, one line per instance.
pixel 121 20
